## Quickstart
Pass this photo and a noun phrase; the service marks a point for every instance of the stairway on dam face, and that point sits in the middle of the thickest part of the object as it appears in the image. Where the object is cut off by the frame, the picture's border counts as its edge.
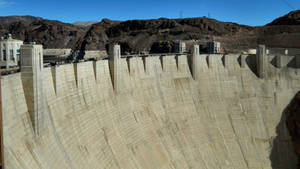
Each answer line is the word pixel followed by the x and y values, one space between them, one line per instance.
pixel 160 117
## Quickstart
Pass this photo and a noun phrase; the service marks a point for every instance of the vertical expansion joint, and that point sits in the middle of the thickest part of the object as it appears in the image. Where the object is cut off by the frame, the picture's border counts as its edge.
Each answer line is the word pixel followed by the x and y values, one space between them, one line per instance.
pixel 95 69
pixel 209 60
pixel 176 60
pixel 114 65
pixel 53 73
pixel 161 58
pixel 145 65
pixel 32 80
pixel 261 61
pixel 128 60
pixel 195 53
pixel 75 66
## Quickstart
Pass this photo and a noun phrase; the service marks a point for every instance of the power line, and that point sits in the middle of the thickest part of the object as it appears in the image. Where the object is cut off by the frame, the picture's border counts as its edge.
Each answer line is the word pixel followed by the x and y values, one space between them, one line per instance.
pixel 288 4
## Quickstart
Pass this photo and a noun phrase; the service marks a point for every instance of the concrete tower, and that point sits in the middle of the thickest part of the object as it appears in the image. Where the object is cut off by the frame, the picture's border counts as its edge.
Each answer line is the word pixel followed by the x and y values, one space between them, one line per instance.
pixel 286 52
pixel 195 53
pixel 114 64
pixel 32 78
pixel 180 47
pixel 261 61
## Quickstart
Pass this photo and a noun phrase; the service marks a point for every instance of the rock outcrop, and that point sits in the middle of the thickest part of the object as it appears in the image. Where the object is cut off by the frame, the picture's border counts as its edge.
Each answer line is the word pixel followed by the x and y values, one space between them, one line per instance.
pixel 141 35
pixel 49 33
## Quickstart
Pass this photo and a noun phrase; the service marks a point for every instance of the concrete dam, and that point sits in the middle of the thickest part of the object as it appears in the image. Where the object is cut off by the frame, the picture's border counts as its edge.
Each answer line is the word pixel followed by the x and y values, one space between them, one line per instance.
pixel 178 111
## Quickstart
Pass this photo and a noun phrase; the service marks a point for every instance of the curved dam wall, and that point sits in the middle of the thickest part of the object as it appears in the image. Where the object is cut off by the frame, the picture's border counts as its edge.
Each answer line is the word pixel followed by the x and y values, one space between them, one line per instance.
pixel 223 116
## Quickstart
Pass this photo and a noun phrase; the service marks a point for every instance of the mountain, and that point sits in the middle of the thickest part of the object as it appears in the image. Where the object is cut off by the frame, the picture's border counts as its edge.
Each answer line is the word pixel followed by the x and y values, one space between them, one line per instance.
pixel 139 35
pixel 25 19
pixel 292 18
pixel 144 35
pixel 152 35
pixel 50 33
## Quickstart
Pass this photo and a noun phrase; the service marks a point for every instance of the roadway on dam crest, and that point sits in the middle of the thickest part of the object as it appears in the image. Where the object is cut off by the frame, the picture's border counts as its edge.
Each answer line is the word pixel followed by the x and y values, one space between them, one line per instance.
pixel 160 117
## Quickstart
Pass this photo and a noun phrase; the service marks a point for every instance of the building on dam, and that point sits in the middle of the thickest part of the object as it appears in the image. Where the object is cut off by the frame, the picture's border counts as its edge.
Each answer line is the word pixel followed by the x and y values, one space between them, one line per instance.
pixel 9 51
pixel 214 47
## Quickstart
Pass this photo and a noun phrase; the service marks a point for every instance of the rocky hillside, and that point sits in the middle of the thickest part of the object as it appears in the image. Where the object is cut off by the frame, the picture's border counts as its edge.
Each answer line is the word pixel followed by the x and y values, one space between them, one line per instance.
pixel 25 19
pixel 146 35
pixel 52 34
pixel 292 18
pixel 139 35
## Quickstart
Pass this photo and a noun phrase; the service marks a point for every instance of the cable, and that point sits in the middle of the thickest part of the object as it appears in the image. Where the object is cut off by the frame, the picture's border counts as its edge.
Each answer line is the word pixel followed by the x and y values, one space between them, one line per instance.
pixel 288 4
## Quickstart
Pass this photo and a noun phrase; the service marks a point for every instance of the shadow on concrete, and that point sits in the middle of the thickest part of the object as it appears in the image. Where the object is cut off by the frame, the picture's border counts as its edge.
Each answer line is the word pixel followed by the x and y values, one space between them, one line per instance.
pixel 282 154
pixel 287 61
pixel 251 62
pixel 223 60
pixel 294 63
pixel 80 55
pixel 274 61
pixel 207 61
pixel 239 60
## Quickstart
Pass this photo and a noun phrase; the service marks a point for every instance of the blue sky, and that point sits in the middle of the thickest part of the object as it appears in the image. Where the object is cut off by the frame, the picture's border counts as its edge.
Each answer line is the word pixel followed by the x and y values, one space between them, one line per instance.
pixel 249 12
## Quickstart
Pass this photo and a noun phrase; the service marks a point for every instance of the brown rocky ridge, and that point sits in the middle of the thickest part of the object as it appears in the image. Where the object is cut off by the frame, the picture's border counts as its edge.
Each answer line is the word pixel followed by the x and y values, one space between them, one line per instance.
pixel 153 35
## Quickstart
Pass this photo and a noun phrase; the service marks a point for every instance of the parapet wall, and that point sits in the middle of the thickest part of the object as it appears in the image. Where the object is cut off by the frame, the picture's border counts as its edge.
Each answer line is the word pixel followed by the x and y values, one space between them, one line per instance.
pixel 160 117
pixel 284 51
pixel 57 52
pixel 98 54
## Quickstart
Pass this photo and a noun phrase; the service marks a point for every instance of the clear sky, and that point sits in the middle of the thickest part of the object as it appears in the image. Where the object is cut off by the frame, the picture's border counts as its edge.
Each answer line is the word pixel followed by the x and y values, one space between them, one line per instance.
pixel 249 12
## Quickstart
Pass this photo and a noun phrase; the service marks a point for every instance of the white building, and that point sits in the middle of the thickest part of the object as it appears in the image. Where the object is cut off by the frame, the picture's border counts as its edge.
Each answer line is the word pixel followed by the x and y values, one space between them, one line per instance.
pixel 9 51
pixel 214 47
pixel 180 47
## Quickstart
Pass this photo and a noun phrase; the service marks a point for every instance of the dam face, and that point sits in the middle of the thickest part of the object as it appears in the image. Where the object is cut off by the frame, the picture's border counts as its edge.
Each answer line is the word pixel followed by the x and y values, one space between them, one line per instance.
pixel 161 116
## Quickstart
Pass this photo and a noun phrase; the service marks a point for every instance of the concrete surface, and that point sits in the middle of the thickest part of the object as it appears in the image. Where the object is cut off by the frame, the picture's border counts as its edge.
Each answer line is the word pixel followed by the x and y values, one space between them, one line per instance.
pixel 160 118
pixel 97 54
pixel 32 81
pixel 57 52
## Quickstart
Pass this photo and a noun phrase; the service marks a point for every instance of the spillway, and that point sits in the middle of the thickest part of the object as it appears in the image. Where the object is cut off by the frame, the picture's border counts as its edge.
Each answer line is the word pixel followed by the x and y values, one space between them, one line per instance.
pixel 160 117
